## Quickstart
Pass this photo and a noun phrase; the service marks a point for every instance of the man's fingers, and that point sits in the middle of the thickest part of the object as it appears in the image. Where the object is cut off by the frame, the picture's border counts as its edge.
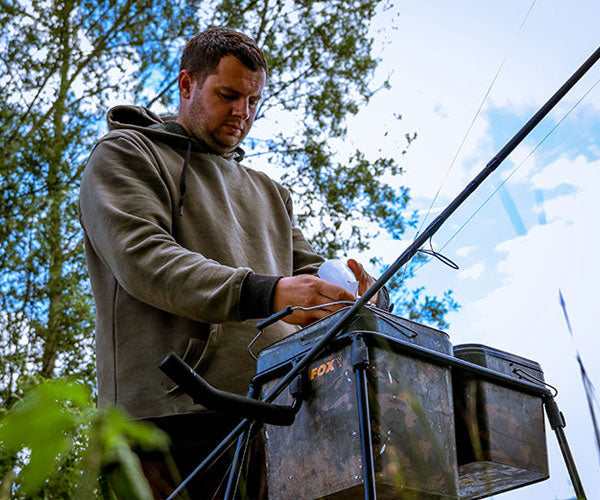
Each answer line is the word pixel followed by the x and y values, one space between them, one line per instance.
pixel 362 276
pixel 365 280
pixel 333 293
pixel 356 268
pixel 305 318
pixel 308 291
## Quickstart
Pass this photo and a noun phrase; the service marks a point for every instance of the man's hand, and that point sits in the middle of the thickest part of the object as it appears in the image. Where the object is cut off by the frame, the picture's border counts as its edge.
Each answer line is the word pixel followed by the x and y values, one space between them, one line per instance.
pixel 306 290
pixel 364 279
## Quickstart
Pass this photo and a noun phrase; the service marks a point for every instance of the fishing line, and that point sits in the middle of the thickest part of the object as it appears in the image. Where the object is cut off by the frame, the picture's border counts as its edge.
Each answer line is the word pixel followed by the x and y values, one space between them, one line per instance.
pixel 516 168
pixel 467 133
pixel 485 97
pixel 442 258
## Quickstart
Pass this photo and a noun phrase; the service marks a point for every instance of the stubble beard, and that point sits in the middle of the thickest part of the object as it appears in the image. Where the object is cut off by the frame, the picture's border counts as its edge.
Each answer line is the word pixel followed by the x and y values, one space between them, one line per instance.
pixel 216 139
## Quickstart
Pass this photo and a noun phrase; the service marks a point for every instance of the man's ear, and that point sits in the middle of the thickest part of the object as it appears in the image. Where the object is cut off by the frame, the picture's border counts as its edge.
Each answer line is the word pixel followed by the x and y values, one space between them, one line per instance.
pixel 185 81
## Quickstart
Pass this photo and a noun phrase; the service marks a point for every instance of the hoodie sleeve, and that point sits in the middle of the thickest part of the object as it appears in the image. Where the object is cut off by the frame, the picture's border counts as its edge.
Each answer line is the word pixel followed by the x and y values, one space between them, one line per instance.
pixel 126 213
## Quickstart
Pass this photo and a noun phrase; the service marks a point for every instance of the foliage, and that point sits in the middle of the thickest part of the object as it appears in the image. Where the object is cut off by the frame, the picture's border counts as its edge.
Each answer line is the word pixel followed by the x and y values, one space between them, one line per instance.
pixel 415 304
pixel 61 64
pixel 321 71
pixel 421 307
pixel 64 61
pixel 43 426
pixel 70 445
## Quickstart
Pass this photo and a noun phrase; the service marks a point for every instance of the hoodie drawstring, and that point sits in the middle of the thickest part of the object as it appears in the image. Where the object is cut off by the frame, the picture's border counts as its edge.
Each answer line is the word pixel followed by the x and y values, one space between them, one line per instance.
pixel 182 178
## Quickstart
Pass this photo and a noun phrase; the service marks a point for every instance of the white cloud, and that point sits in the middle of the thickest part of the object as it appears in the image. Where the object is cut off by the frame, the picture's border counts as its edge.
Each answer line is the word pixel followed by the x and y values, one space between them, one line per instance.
pixel 465 251
pixel 473 272
pixel 443 56
pixel 579 172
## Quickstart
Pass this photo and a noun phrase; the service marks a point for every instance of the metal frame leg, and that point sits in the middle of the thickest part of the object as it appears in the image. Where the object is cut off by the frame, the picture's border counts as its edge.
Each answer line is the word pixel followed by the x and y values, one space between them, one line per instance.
pixel 239 459
pixel 360 362
pixel 212 457
pixel 241 451
pixel 557 422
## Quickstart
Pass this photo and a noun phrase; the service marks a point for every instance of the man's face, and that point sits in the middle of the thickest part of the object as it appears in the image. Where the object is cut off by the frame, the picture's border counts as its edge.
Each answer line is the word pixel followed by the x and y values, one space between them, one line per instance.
pixel 221 110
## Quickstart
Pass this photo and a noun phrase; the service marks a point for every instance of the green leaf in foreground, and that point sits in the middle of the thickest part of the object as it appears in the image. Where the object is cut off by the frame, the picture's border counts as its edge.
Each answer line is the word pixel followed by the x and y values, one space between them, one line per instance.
pixel 56 430
pixel 44 424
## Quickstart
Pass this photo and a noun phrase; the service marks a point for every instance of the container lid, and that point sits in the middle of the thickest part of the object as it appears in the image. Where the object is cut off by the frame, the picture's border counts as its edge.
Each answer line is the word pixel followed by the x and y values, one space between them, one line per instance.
pixel 465 351
pixel 367 320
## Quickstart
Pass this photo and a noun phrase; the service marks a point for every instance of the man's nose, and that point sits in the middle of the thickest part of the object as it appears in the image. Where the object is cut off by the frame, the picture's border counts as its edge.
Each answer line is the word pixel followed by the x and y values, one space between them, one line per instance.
pixel 241 108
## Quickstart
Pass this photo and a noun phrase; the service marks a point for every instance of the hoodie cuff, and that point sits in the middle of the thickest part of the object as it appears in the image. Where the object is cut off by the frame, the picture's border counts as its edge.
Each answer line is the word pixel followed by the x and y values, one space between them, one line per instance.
pixel 256 300
pixel 383 300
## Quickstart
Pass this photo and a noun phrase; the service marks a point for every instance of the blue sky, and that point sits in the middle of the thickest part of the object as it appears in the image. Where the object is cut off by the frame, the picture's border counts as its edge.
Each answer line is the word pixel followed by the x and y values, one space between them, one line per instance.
pixel 540 231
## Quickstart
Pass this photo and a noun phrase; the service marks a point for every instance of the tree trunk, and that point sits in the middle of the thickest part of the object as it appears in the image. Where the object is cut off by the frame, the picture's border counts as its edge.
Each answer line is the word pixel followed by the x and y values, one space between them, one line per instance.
pixel 53 224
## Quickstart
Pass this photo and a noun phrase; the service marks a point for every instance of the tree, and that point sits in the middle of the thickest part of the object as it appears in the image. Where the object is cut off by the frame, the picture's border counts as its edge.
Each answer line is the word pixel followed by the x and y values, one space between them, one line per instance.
pixel 63 62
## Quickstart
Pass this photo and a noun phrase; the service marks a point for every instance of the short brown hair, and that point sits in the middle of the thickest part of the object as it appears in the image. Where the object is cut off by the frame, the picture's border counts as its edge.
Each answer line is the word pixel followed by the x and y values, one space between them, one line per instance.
pixel 202 53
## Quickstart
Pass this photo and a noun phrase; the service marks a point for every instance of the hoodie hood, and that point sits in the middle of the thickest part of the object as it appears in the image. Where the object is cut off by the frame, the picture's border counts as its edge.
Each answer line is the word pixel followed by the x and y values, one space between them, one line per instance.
pixel 165 129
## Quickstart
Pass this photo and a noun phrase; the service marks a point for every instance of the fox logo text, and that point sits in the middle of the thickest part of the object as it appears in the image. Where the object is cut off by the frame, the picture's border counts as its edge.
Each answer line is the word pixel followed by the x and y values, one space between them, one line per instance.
pixel 327 367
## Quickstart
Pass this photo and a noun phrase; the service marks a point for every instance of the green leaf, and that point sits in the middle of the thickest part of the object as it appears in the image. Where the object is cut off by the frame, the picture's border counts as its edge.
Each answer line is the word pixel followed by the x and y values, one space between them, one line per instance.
pixel 126 478
pixel 43 425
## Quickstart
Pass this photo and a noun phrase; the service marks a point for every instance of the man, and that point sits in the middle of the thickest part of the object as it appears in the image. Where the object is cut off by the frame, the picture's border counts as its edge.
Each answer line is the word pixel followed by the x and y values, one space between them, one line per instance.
pixel 187 248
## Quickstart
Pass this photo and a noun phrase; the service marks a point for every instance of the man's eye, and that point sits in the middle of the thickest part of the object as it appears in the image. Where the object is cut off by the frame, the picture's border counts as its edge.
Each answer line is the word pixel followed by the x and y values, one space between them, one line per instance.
pixel 228 97
pixel 254 102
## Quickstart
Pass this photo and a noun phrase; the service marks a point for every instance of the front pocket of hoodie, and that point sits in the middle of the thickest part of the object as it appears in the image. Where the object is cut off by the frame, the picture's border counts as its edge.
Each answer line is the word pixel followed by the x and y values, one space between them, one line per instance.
pixel 199 353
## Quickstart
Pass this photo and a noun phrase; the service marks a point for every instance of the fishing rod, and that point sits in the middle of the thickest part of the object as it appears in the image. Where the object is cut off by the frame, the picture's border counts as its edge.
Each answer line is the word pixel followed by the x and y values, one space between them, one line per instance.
pixel 180 372
pixel 430 230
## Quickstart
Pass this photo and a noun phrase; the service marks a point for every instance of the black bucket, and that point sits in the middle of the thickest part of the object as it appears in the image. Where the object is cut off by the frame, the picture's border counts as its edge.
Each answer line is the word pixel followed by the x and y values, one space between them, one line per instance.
pixel 412 416
pixel 500 435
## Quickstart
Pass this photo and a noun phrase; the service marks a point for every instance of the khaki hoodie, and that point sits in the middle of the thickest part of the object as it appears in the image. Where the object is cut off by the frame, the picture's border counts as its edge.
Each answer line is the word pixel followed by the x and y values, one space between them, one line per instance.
pixel 184 247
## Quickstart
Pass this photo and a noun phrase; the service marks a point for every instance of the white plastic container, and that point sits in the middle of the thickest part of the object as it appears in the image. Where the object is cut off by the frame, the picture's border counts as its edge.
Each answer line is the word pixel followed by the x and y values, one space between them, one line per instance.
pixel 338 273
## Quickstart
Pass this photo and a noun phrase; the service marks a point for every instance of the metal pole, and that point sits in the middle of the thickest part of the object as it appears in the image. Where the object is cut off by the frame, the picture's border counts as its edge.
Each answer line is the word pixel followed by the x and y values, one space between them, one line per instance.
pixel 239 457
pixel 213 457
pixel 360 362
pixel 557 422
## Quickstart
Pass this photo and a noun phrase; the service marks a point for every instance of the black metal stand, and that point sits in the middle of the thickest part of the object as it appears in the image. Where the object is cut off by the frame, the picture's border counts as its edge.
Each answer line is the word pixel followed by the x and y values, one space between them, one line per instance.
pixel 239 460
pixel 241 451
pixel 360 362
pixel 557 423
pixel 209 461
